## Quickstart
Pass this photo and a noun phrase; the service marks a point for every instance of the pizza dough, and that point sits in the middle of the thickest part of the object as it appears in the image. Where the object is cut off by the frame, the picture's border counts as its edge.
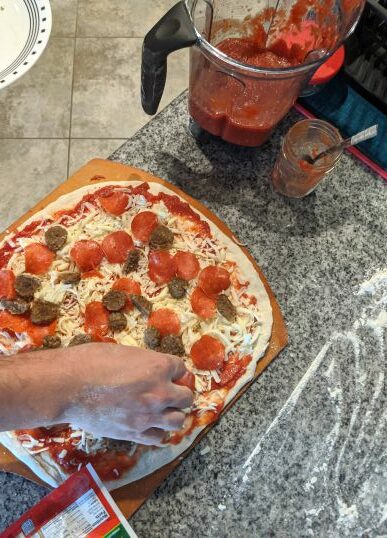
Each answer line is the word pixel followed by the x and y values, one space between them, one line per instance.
pixel 46 467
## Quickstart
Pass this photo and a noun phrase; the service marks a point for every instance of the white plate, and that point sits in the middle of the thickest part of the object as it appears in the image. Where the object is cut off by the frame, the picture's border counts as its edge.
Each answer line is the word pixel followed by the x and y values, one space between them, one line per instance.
pixel 25 27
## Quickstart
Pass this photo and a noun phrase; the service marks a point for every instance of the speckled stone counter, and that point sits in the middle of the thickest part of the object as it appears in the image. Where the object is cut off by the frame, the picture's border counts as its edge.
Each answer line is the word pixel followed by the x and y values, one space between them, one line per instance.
pixel 303 452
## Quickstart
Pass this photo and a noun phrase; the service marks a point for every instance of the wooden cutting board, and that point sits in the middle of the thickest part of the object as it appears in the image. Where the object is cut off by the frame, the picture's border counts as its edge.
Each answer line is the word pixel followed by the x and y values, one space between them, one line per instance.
pixel 131 497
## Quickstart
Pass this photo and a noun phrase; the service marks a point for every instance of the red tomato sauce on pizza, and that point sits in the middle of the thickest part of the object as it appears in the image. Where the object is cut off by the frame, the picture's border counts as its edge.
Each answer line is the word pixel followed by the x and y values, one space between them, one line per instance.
pixel 110 465
pixel 174 204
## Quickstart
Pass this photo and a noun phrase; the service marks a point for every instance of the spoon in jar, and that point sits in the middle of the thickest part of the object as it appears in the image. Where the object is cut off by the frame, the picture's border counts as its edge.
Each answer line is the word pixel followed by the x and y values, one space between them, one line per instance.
pixel 371 132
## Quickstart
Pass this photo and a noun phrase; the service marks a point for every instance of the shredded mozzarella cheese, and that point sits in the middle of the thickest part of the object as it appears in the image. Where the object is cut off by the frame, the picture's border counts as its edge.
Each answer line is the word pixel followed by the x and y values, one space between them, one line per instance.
pixel 92 223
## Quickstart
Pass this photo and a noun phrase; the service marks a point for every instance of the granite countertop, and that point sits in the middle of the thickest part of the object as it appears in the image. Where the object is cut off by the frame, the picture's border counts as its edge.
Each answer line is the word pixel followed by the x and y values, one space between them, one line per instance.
pixel 303 451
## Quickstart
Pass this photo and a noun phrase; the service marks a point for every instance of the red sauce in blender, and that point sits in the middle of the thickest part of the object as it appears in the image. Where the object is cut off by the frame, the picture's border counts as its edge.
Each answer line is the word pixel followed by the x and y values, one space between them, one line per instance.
pixel 234 109
pixel 244 109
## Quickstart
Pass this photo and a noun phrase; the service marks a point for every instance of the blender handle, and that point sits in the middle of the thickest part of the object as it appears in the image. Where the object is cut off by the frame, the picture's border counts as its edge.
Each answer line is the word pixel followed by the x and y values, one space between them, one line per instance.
pixel 173 32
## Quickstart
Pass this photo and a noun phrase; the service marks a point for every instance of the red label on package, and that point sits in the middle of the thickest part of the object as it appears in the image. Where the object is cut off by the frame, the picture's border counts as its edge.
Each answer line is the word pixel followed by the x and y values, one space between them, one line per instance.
pixel 80 508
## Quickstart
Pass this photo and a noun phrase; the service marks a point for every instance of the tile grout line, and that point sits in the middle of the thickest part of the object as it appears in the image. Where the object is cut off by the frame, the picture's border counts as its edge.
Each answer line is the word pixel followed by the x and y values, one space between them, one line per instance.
pixel 76 19
pixel 72 90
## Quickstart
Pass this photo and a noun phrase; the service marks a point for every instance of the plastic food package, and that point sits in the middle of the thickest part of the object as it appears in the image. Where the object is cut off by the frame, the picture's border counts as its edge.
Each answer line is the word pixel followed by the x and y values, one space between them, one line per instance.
pixel 80 508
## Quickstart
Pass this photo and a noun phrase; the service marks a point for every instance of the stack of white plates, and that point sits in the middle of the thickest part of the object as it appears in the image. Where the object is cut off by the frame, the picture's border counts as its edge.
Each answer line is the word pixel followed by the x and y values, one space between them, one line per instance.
pixel 25 27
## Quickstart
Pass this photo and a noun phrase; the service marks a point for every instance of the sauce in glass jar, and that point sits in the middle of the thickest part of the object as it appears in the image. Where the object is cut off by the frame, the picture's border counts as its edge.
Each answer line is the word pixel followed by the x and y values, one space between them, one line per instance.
pixel 295 177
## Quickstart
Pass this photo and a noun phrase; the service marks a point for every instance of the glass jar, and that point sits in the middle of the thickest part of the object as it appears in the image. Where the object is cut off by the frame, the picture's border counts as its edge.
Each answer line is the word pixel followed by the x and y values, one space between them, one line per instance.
pixel 293 176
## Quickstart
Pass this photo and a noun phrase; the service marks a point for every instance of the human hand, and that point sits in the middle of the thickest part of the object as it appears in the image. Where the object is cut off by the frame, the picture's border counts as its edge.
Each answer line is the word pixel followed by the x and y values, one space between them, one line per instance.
pixel 125 392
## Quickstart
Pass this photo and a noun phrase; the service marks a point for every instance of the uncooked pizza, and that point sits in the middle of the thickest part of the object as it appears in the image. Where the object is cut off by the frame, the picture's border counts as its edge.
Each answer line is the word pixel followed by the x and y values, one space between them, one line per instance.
pixel 130 263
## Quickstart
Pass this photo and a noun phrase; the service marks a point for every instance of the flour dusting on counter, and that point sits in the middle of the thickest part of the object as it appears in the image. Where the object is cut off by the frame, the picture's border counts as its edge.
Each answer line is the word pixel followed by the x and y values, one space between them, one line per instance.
pixel 337 456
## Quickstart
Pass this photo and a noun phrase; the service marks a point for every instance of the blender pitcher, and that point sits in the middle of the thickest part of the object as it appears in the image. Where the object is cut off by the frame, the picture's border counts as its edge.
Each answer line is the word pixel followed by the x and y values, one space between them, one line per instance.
pixel 249 59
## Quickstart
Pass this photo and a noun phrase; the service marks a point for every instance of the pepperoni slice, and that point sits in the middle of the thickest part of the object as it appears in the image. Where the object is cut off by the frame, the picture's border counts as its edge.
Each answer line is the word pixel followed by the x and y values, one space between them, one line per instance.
pixel 114 202
pixel 161 267
pixel 214 280
pixel 131 287
pixel 87 255
pixel 105 339
pixel 7 284
pixel 91 274
pixel 17 324
pixel 187 265
pixel 21 324
pixel 165 321
pixel 96 319
pixel 230 373
pixel 116 246
pixel 233 369
pixel 188 380
pixel 143 225
pixel 38 258
pixel 37 333
pixel 202 305
pixel 208 353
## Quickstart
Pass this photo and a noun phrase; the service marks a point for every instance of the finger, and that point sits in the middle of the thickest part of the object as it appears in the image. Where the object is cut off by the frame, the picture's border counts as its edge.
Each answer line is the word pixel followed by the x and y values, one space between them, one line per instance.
pixel 180 397
pixel 153 436
pixel 170 420
pixel 178 368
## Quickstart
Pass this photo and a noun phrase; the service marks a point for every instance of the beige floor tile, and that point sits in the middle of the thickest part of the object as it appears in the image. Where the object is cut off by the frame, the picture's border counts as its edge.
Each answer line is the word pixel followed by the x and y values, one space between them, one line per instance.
pixel 106 97
pixel 38 105
pixel 119 18
pixel 64 16
pixel 29 170
pixel 82 150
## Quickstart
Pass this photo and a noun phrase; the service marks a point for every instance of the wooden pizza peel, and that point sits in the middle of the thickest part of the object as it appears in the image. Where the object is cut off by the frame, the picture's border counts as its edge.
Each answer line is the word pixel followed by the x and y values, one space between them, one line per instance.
pixel 129 498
